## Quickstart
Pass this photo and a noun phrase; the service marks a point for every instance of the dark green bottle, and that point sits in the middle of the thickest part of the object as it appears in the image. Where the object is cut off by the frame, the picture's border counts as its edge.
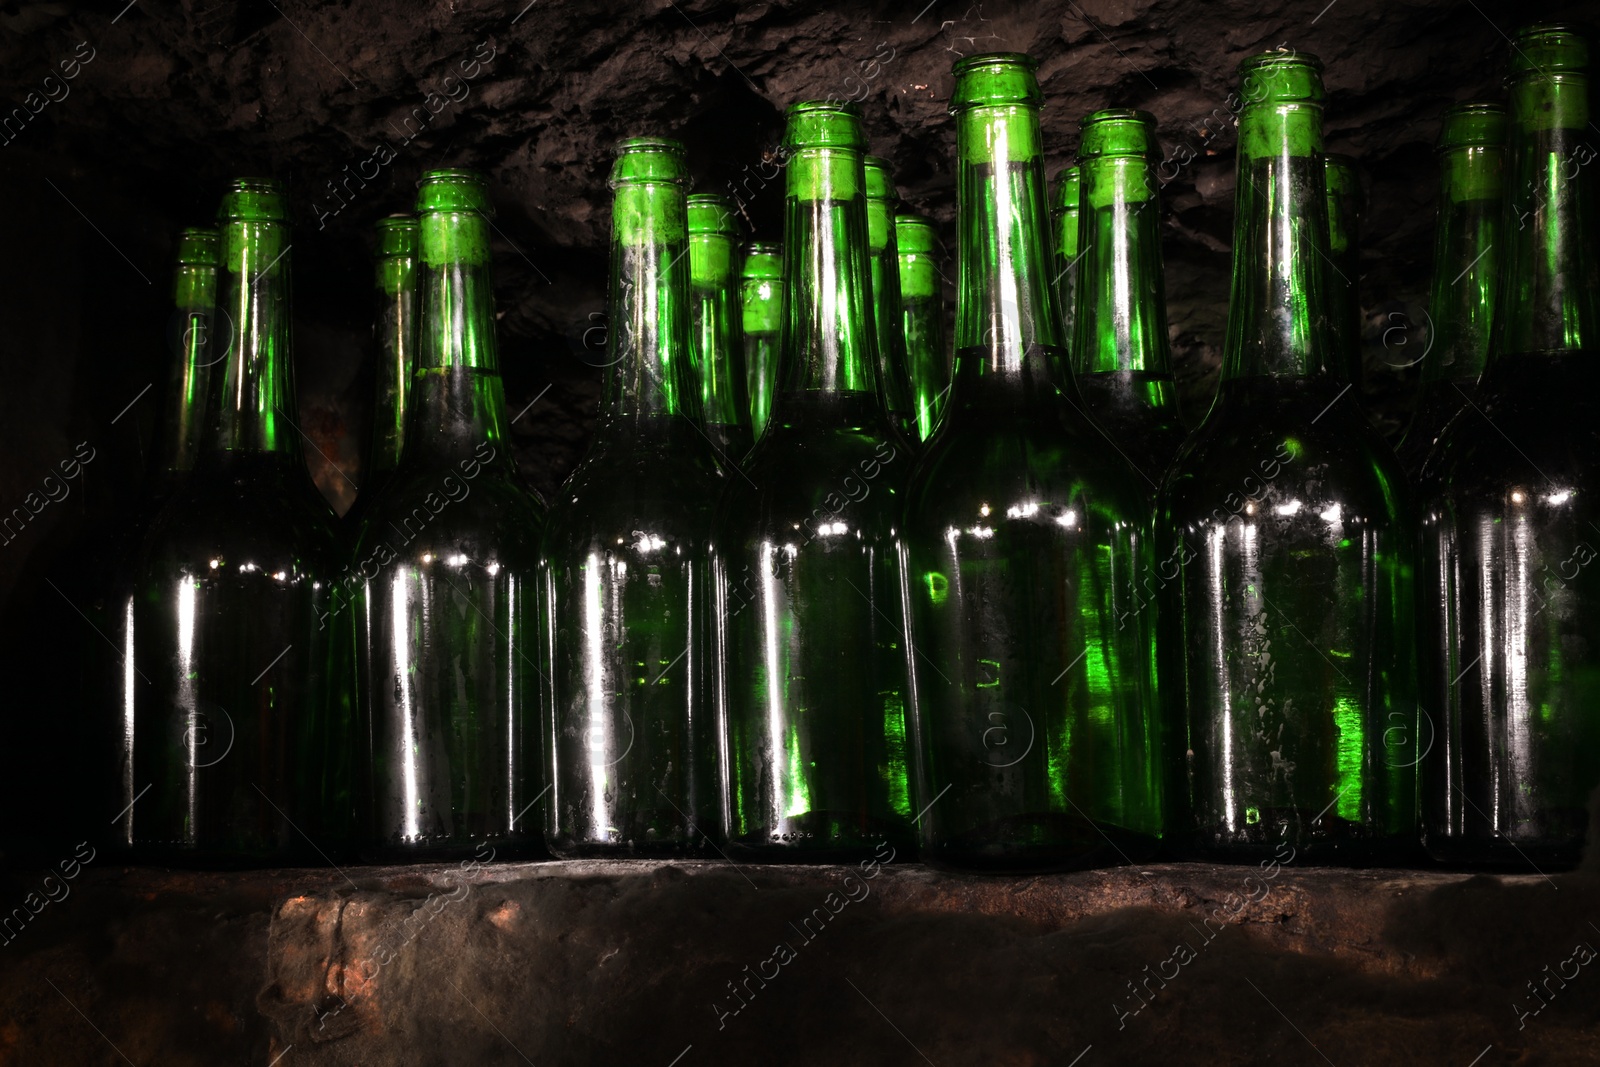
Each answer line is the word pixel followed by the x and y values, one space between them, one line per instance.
pixel 626 592
pixel 1346 204
pixel 716 347
pixel 807 564
pixel 761 313
pixel 1121 360
pixel 1064 227
pixel 1466 271
pixel 446 568
pixel 180 427
pixel 922 321
pixel 232 727
pixel 1511 502
pixel 887 311
pixel 394 331
pixel 1287 549
pixel 1033 689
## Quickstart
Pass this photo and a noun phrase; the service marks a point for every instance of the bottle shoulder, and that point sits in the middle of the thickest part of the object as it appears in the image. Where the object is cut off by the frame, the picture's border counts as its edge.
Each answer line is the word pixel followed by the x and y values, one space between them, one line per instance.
pixel 1530 422
pixel 794 476
pixel 633 493
pixel 482 510
pixel 245 513
pixel 1300 444
pixel 1024 465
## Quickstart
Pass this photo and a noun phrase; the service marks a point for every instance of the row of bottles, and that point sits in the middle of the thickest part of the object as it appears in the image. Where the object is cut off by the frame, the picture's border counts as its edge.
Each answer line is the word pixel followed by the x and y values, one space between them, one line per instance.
pixel 816 587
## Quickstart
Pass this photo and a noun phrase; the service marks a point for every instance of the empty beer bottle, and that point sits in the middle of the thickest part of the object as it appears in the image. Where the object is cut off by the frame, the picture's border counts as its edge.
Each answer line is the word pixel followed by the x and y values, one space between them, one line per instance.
pixel 626 593
pixel 1064 226
pixel 1345 206
pixel 807 571
pixel 1512 589
pixel 180 426
pixel 922 322
pixel 1466 261
pixel 1033 690
pixel 231 730
pixel 1287 535
pixel 761 313
pixel 394 333
pixel 446 571
pixel 716 349
pixel 893 375
pixel 1120 355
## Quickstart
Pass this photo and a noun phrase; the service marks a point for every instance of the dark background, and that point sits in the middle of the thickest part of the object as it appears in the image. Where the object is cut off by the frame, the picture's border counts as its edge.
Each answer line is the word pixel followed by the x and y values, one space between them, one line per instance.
pixel 179 97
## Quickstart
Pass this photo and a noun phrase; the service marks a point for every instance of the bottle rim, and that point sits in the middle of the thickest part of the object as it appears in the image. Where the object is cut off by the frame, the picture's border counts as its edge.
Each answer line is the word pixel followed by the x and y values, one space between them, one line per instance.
pixel 1014 76
pixel 711 214
pixel 454 189
pixel 1474 124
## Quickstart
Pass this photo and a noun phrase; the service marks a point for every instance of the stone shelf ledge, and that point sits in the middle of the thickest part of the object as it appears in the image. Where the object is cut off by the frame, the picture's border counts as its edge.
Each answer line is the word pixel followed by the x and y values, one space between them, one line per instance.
pixel 679 964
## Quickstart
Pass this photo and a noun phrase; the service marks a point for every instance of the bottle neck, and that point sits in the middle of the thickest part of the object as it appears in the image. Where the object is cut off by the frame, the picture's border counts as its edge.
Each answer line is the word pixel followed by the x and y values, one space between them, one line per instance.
pixel 716 334
pixel 457 399
pixel 883 264
pixel 397 354
pixel 1466 261
pixel 1279 321
pixel 183 413
pixel 1007 330
pixel 252 391
pixel 648 379
pixel 829 341
pixel 1064 222
pixel 1548 299
pixel 1121 325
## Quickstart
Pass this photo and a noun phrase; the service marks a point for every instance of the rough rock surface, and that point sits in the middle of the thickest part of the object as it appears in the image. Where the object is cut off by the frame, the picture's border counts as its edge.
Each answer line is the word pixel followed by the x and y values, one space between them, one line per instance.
pixel 706 963
pixel 179 97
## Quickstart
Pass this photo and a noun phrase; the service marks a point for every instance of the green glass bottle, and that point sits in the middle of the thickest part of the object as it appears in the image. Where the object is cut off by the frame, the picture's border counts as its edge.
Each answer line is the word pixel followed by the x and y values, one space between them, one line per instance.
pixel 1064 226
pixel 1466 271
pixel 180 427
pixel 807 561
pixel 626 589
pixel 1033 688
pixel 922 321
pixel 394 331
pixel 716 347
pixel 232 731
pixel 1346 204
pixel 1511 503
pixel 894 376
pixel 761 313
pixel 446 571
pixel 1288 549
pixel 1121 360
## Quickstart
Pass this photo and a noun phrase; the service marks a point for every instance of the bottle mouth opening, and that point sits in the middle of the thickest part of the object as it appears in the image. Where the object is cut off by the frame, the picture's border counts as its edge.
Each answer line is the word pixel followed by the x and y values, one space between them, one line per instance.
pixel 198 246
pixel 453 189
pixel 253 200
pixel 1479 124
pixel 712 214
pixel 985 60
pixel 397 221
pixel 649 144
pixel 763 248
pixel 809 107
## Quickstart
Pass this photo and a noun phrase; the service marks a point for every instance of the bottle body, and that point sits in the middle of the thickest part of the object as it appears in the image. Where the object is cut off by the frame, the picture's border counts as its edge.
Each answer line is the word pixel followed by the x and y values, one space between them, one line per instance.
pixel 1287 559
pixel 810 635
